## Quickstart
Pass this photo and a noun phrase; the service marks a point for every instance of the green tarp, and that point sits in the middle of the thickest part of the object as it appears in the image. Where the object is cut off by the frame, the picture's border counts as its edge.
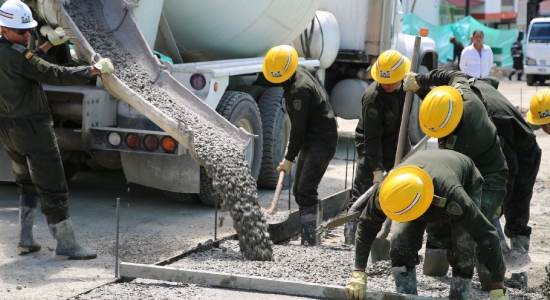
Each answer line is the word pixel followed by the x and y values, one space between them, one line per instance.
pixel 499 40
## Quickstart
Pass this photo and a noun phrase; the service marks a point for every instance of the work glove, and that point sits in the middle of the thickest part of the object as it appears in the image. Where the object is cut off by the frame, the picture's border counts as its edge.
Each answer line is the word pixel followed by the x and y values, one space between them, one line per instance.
pixel 285 166
pixel 56 37
pixel 377 176
pixel 499 294
pixel 104 65
pixel 355 289
pixel 409 82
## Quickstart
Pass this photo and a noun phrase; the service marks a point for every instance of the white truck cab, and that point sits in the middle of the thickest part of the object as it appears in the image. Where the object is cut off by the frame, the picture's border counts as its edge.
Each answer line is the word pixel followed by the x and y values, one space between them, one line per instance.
pixel 537 54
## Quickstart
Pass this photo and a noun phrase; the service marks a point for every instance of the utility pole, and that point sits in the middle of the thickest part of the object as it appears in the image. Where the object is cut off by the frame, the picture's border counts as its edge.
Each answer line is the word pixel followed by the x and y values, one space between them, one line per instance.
pixel 467 8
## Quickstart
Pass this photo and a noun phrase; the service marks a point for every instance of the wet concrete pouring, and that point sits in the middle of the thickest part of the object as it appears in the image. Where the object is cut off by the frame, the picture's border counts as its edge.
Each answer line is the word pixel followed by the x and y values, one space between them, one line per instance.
pixel 222 155
pixel 253 253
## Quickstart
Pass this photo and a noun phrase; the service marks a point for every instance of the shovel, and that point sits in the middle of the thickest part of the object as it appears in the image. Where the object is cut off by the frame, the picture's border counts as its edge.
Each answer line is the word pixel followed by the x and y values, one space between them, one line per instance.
pixel 516 261
pixel 275 203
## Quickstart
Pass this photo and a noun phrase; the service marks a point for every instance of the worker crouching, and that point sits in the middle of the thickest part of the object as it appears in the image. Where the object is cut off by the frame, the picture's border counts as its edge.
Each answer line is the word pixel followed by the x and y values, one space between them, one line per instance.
pixel 431 186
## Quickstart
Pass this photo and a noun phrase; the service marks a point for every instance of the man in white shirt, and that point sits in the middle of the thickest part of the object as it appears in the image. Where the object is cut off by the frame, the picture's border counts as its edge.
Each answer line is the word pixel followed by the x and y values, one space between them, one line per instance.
pixel 476 59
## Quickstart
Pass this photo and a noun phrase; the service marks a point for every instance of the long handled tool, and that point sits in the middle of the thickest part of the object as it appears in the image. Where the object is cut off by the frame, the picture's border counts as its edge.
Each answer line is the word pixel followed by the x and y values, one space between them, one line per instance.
pixel 516 261
pixel 380 247
pixel 275 203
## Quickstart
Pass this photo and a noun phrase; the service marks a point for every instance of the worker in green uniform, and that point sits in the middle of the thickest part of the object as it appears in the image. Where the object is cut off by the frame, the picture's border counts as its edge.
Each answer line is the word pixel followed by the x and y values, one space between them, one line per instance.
pixel 313 133
pixel 377 131
pixel 455 115
pixel 523 156
pixel 26 127
pixel 431 186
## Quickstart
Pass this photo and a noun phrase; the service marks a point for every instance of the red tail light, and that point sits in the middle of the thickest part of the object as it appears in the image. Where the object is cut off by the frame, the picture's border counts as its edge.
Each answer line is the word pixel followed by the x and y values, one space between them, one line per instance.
pixel 151 142
pixel 132 140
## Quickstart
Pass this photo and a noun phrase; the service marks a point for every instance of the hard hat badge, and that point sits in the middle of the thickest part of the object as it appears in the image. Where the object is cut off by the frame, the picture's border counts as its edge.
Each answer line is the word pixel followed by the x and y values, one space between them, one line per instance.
pixel 276 74
pixel 544 114
pixel 26 19
pixel 384 74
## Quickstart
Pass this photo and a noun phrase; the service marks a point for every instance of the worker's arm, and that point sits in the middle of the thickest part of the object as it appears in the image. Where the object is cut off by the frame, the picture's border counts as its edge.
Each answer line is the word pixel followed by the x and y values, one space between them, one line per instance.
pixel 300 100
pixel 370 223
pixel 481 231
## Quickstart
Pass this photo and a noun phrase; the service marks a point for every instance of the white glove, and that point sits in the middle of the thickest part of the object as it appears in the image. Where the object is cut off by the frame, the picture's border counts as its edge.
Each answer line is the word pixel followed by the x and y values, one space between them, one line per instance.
pixel 355 289
pixel 499 294
pixel 56 37
pixel 104 65
pixel 409 82
pixel 285 166
pixel 377 176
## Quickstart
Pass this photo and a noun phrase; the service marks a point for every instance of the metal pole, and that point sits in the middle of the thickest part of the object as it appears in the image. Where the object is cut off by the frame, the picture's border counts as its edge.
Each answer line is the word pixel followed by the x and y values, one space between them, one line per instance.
pixel 216 219
pixel 353 167
pixel 347 161
pixel 467 8
pixel 117 235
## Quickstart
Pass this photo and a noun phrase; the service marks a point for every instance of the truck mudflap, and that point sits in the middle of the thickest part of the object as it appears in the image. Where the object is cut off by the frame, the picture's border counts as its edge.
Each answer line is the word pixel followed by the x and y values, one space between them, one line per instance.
pixel 128 34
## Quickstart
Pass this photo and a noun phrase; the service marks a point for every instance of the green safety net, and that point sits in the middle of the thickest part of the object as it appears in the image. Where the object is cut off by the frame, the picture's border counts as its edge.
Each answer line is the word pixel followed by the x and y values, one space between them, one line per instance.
pixel 500 40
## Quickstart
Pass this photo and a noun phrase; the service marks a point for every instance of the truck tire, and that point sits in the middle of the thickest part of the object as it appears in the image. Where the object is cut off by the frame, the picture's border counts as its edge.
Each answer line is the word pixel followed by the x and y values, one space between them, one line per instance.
pixel 530 80
pixel 182 197
pixel 276 130
pixel 414 129
pixel 241 110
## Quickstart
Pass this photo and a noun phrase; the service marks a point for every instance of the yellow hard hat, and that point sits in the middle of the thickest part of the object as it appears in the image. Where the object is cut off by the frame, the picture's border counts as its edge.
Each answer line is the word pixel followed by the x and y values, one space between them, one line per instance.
pixel 280 63
pixel 406 193
pixel 539 109
pixel 390 67
pixel 441 111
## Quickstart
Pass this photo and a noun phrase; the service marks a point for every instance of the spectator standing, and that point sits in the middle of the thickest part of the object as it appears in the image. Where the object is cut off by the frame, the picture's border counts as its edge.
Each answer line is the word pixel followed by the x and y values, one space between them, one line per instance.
pixel 457 49
pixel 476 59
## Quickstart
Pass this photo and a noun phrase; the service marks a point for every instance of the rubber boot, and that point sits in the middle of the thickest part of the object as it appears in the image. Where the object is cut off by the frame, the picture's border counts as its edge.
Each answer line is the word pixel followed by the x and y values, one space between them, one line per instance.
pixel 349 232
pixel 67 247
pixel 309 219
pixel 405 280
pixel 460 288
pixel 484 277
pixel 520 242
pixel 27 212
pixel 435 262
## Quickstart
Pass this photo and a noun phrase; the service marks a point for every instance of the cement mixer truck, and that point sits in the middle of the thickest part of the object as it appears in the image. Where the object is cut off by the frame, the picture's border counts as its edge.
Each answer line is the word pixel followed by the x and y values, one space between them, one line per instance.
pixel 211 54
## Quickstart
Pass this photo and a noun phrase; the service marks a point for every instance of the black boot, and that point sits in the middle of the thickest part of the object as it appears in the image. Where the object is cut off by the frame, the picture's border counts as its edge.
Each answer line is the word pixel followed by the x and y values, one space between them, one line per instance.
pixel 460 288
pixel 405 280
pixel 27 212
pixel 310 219
pixel 67 246
pixel 520 242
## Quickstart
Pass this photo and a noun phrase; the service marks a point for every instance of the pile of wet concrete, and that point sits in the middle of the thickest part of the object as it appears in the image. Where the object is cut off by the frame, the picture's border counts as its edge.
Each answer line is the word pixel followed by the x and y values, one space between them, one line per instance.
pixel 222 155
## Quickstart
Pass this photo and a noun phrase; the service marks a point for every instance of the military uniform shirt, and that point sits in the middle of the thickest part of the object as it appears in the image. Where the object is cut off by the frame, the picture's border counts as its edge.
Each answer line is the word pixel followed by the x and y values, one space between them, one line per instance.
pixel 378 127
pixel 311 116
pixel 453 174
pixel 21 74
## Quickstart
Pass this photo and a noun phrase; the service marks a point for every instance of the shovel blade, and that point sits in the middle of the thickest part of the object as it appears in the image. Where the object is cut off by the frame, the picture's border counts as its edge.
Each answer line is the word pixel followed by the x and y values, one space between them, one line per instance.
pixel 380 249
pixel 516 261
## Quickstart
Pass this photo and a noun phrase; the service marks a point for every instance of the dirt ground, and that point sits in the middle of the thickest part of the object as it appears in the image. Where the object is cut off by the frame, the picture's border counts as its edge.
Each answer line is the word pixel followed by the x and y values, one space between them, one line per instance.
pixel 153 229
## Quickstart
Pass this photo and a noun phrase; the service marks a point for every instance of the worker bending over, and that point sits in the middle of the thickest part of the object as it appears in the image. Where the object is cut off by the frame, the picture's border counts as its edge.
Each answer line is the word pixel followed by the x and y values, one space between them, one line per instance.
pixel 431 186
pixel 455 115
pixel 313 133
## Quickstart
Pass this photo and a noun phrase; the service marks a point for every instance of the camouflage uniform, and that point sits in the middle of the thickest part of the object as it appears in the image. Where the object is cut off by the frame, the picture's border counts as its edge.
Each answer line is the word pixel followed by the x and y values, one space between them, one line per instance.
pixel 26 126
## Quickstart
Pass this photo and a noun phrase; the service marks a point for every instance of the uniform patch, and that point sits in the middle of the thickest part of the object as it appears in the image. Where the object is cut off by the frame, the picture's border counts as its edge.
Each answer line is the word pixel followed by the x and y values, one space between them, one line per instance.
pixel 450 142
pixel 372 97
pixel 28 55
pixel 439 201
pixel 454 209
pixel 297 104
pixel 372 113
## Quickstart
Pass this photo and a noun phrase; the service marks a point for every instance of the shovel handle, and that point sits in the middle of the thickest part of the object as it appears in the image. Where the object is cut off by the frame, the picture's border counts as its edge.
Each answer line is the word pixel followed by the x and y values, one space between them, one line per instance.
pixel 498 227
pixel 279 185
